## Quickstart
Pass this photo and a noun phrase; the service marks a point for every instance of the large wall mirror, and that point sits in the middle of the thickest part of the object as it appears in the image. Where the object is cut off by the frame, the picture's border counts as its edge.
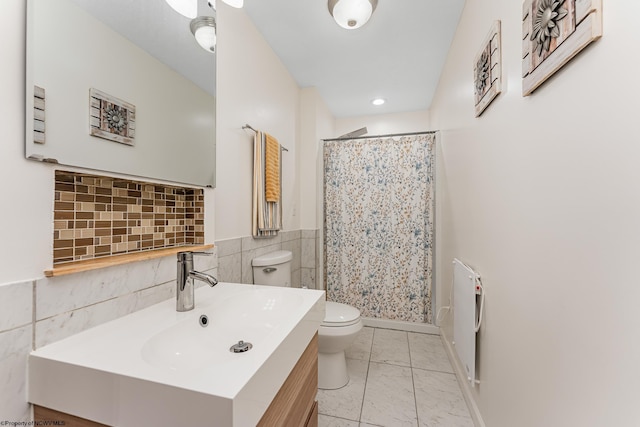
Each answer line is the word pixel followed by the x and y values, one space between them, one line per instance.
pixel 152 89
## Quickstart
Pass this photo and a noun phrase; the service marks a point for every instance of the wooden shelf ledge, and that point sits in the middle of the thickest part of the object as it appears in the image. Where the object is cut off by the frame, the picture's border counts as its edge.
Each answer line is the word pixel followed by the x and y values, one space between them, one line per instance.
pixel 109 261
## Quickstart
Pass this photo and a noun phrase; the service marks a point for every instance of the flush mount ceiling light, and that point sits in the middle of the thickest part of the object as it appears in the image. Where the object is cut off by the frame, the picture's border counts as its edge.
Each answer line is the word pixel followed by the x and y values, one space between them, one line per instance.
pixel 187 8
pixel 352 14
pixel 204 30
pixel 235 3
pixel 378 101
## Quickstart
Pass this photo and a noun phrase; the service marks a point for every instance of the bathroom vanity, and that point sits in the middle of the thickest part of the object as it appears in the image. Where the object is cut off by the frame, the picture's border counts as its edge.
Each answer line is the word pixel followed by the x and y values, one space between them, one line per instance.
pixel 160 367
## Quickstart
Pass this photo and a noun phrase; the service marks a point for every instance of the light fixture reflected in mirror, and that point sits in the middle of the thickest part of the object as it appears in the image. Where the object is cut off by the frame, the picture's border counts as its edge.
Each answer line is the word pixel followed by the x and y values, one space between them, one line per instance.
pixel 187 8
pixel 233 3
pixel 204 30
pixel 352 14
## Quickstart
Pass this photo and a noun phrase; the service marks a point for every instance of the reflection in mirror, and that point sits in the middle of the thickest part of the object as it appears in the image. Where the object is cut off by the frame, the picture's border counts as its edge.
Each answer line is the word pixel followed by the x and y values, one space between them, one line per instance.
pixel 158 86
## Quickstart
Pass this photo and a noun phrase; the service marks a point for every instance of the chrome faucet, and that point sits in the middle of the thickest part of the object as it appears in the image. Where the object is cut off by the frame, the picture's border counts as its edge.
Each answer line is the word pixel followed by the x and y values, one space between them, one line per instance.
pixel 186 276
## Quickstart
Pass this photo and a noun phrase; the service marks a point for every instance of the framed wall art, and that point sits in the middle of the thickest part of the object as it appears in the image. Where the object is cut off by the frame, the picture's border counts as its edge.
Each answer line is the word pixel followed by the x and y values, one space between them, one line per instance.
pixel 111 118
pixel 487 70
pixel 553 32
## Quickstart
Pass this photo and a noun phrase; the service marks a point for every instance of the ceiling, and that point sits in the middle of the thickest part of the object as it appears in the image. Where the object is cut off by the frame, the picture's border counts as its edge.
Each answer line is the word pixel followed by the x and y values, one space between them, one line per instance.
pixel 398 55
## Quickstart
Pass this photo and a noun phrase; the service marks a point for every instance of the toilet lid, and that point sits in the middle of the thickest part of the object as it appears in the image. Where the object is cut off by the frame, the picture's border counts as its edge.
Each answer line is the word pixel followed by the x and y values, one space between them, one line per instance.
pixel 272 258
pixel 338 314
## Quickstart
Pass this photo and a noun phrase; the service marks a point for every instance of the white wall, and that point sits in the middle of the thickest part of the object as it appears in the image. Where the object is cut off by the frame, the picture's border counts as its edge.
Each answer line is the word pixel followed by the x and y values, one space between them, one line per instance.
pixel 253 87
pixel 317 123
pixel 384 124
pixel 541 196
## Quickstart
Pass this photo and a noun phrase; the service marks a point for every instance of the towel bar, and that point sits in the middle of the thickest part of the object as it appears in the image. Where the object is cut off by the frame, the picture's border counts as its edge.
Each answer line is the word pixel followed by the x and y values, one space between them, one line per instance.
pixel 249 127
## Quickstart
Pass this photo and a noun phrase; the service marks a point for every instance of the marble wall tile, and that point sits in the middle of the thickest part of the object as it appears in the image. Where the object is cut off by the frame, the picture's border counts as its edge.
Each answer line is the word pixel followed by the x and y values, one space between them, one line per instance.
pixel 388 398
pixel 427 352
pixel 390 347
pixel 346 402
pixel 440 400
pixel 58 295
pixel 290 235
pixel 16 305
pixel 15 346
pixel 308 253
pixel 295 279
pixel 156 294
pixel 230 268
pixel 308 277
pixel 60 326
pixel 293 246
pixel 308 234
pixel 229 246
pixel 249 243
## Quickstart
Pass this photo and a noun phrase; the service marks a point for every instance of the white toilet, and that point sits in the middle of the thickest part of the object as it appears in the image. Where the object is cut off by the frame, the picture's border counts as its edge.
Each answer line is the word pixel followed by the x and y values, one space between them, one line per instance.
pixel 338 330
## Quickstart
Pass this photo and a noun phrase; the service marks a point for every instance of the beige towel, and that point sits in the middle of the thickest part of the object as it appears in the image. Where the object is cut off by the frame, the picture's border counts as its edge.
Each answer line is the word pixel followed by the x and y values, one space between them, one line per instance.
pixel 267 216
pixel 272 170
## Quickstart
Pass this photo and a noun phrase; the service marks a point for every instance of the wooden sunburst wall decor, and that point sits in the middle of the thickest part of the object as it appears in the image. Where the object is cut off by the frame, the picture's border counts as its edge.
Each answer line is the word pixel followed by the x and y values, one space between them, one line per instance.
pixel 553 32
pixel 111 118
pixel 487 70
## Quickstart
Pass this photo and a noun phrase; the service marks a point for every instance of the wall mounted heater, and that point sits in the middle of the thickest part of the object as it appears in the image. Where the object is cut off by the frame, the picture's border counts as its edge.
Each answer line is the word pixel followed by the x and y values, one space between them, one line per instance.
pixel 468 302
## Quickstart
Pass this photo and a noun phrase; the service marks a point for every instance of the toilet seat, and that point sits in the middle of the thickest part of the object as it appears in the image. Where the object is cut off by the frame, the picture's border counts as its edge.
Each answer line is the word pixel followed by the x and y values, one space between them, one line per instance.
pixel 339 315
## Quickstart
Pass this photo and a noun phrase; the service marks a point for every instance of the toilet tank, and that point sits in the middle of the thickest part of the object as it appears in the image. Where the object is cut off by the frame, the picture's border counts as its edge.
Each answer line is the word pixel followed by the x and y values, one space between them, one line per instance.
pixel 273 269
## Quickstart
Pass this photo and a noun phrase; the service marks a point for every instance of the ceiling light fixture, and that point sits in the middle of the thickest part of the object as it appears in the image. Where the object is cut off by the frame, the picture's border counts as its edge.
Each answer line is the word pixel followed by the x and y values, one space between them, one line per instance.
pixel 204 30
pixel 352 14
pixel 378 101
pixel 187 8
pixel 233 3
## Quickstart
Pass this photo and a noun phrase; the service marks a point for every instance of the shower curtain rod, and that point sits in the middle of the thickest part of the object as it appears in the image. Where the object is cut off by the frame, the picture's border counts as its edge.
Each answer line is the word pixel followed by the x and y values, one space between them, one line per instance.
pixel 380 136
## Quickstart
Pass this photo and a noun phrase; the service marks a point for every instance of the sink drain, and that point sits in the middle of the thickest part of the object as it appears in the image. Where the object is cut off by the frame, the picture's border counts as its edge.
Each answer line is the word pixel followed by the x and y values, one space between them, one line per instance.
pixel 241 347
pixel 204 321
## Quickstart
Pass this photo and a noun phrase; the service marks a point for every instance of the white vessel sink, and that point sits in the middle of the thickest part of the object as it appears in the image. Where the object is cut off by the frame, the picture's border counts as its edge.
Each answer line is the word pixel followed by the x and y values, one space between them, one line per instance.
pixel 161 367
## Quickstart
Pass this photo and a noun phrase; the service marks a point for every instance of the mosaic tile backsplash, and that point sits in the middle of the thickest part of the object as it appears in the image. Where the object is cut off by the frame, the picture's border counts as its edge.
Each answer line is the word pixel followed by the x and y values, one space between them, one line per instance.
pixel 97 216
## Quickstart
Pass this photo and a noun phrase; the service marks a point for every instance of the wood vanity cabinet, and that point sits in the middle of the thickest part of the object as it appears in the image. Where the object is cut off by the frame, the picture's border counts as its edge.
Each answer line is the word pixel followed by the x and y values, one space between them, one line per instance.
pixel 295 403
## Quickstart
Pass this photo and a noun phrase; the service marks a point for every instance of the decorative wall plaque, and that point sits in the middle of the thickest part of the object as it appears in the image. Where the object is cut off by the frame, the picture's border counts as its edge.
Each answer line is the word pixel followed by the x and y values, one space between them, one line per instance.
pixel 111 118
pixel 487 70
pixel 553 32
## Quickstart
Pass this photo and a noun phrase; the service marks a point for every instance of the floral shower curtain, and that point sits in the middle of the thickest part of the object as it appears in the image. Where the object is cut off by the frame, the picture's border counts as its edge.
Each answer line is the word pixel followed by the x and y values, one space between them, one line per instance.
pixel 379 206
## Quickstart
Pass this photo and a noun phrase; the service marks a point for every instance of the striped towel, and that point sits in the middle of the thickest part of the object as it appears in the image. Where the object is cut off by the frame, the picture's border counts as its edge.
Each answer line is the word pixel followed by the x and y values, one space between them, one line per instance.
pixel 272 170
pixel 266 215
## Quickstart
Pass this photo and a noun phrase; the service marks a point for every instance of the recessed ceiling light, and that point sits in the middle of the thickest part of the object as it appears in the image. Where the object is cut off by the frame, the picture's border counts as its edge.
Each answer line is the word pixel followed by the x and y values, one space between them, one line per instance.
pixel 378 101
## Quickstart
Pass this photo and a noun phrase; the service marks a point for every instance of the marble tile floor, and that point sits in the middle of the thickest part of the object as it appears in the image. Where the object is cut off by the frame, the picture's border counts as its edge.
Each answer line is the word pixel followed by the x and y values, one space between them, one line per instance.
pixel 399 379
